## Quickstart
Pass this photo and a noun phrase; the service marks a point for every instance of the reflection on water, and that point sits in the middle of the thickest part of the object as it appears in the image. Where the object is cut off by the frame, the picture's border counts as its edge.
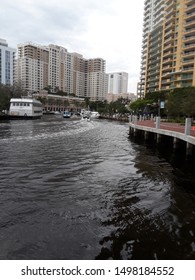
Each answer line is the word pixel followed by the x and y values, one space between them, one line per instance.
pixel 83 190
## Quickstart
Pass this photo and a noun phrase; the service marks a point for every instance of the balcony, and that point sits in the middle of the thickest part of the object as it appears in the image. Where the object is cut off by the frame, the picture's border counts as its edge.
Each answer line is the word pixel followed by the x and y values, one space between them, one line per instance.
pixel 189 54
pixel 169 26
pixel 169 40
pixel 188 47
pixel 189 2
pixel 170 19
pixel 189 17
pixel 190 7
pixel 167 74
pixel 165 82
pixel 189 39
pixel 189 31
pixel 167 54
pixel 167 70
pixel 159 9
pixel 154 55
pixel 170 4
pixel 186 84
pixel 168 61
pixel 145 29
pixel 186 77
pixel 154 64
pixel 168 34
pixel 190 24
pixel 188 62
pixel 168 47
pixel 170 12
pixel 167 67
pixel 187 69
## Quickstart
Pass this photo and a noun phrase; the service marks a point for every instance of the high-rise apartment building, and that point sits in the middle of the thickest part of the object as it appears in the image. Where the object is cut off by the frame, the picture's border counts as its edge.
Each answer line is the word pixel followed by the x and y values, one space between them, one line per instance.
pixel 154 12
pixel 168 50
pixel 178 56
pixel 96 79
pixel 79 73
pixel 117 82
pixel 54 67
pixel 7 63
pixel 32 66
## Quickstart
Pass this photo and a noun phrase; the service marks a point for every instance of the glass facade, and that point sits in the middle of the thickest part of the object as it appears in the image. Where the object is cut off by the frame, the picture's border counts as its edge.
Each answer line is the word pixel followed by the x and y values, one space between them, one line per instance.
pixel 7 63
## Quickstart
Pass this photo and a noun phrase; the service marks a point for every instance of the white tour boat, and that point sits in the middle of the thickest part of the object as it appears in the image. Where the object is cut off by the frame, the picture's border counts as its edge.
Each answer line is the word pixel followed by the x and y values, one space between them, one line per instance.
pixel 25 107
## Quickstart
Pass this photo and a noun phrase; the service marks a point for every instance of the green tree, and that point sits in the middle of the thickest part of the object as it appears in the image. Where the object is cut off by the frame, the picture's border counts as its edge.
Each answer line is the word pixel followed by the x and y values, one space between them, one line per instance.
pixel 156 96
pixel 5 95
pixel 139 105
pixel 87 101
pixel 188 102
pixel 181 102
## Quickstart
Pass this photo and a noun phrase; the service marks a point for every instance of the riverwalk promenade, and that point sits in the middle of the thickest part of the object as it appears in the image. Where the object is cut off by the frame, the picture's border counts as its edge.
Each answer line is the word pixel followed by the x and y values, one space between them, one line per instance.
pixel 160 128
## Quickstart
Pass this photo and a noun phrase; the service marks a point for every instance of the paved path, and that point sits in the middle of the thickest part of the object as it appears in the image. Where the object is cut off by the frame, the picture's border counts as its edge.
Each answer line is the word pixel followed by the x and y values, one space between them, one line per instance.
pixel 167 126
pixel 174 130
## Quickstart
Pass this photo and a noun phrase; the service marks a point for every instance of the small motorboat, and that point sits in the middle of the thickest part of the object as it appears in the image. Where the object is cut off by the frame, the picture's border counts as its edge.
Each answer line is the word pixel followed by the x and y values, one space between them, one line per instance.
pixel 66 114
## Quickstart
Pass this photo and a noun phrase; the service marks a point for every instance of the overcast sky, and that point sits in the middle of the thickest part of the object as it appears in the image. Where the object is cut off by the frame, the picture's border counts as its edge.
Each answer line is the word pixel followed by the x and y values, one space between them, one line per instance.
pixel 110 29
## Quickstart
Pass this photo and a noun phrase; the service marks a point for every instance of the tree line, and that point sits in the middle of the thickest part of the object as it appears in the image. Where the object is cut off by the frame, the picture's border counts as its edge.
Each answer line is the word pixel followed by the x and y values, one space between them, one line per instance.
pixel 179 102
pixel 121 106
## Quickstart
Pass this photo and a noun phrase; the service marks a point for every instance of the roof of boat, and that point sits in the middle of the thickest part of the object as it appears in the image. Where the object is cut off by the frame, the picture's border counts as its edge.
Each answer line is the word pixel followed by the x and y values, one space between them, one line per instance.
pixel 24 99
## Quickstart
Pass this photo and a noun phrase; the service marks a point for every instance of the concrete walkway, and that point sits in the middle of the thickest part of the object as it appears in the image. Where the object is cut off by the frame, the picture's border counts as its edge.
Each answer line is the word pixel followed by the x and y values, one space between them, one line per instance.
pixel 170 129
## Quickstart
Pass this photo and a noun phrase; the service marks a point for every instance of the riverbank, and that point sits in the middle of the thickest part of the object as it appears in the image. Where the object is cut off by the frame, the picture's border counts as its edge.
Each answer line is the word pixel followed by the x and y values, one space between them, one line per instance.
pixel 4 117
pixel 115 117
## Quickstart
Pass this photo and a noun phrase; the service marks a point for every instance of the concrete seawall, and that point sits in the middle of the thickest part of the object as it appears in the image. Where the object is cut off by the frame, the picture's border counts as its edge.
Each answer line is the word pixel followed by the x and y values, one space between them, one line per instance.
pixel 158 129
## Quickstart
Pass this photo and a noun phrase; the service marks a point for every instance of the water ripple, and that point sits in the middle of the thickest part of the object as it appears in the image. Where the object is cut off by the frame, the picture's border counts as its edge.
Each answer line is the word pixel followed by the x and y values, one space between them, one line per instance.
pixel 82 190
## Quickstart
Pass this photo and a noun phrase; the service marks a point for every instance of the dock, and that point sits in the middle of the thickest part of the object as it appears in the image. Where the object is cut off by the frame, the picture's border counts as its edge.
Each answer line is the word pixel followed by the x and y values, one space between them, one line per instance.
pixel 159 129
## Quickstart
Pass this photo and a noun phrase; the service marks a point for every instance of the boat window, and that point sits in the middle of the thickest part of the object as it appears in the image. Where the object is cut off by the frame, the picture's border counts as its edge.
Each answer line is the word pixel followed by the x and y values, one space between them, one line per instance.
pixel 17 104
pixel 24 104
pixel 28 104
pixel 21 104
pixel 13 104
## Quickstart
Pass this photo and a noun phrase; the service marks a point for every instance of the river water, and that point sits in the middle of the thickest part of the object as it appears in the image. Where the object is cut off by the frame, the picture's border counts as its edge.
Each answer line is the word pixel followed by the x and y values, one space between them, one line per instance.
pixel 84 190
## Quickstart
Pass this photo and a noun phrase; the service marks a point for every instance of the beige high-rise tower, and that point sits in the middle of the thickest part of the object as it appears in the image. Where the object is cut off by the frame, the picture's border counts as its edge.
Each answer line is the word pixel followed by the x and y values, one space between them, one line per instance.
pixel 53 67
pixel 32 66
pixel 168 50
pixel 178 65
pixel 96 79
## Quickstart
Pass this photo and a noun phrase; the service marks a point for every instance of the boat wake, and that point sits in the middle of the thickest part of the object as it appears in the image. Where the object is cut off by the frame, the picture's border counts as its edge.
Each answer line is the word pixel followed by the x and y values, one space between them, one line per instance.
pixel 42 131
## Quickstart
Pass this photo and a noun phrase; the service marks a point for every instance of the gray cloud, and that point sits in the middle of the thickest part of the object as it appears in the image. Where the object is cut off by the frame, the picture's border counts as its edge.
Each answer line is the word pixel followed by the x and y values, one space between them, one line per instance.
pixel 109 29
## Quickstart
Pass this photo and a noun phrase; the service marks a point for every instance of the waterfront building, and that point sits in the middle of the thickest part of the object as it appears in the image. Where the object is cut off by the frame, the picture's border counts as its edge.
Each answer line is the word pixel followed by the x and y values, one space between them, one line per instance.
pixel 168 49
pixel 79 66
pixel 56 103
pixel 178 66
pixel 55 68
pixel 117 82
pixel 33 66
pixel 96 79
pixel 154 12
pixel 7 63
